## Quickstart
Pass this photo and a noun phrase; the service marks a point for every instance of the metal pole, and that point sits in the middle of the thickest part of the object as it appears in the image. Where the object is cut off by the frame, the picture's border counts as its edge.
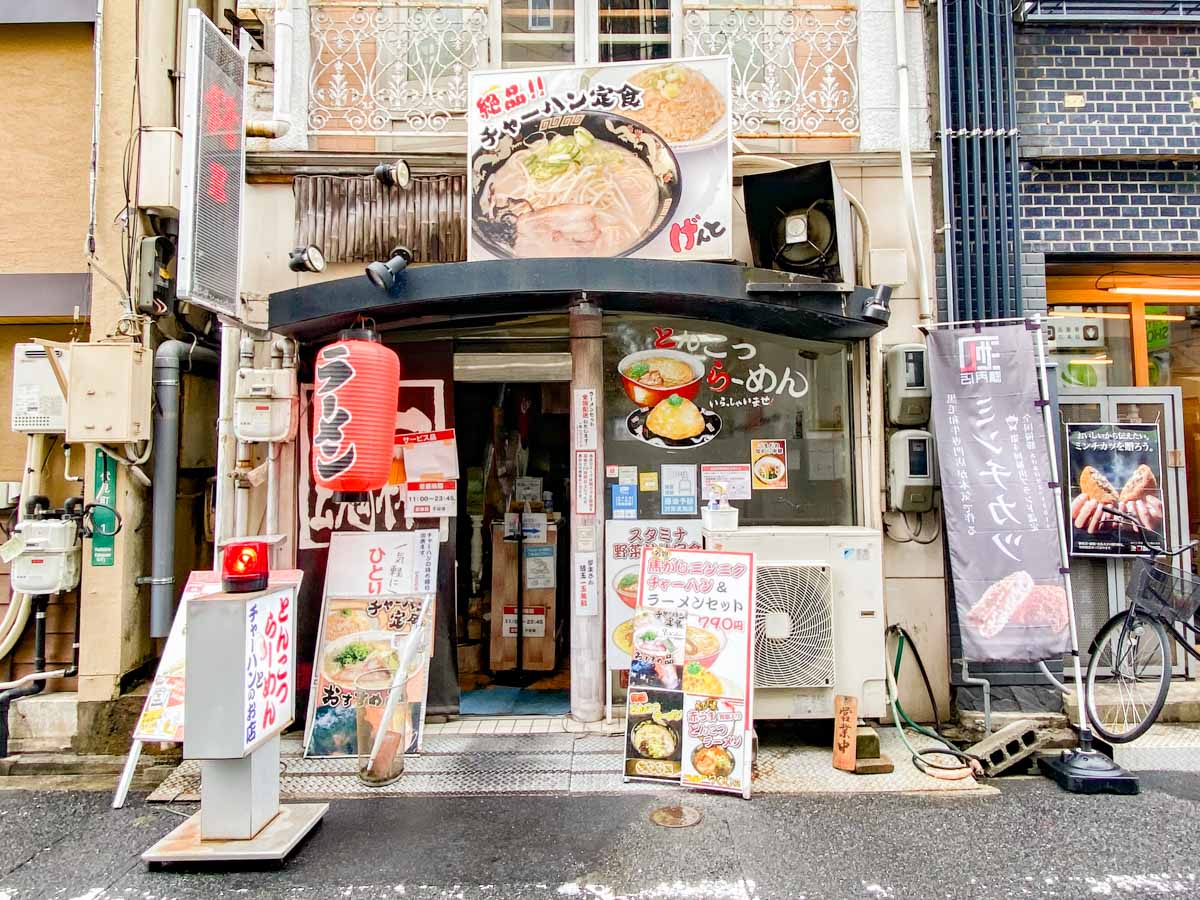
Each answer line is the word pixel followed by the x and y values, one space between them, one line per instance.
pixel 993 197
pixel 962 243
pixel 1085 731
pixel 948 150
pixel 1014 196
pixel 979 306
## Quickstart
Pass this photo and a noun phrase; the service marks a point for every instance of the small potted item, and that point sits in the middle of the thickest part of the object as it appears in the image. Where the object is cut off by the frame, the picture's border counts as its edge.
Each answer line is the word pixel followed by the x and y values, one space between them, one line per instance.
pixel 718 515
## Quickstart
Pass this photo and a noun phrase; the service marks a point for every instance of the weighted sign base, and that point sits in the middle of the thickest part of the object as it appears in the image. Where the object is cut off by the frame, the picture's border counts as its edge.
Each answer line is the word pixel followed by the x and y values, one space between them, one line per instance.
pixel 276 840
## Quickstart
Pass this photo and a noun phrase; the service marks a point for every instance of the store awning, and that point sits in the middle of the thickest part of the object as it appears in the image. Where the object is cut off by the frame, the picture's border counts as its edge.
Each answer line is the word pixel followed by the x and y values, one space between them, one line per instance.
pixel 761 299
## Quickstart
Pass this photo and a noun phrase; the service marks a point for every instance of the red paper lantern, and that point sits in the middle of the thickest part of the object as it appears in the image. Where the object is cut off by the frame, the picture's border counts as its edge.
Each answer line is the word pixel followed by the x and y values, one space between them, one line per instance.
pixel 358 382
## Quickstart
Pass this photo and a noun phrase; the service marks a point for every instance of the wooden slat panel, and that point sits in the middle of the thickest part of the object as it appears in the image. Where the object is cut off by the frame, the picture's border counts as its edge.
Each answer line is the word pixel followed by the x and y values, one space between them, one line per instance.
pixel 359 220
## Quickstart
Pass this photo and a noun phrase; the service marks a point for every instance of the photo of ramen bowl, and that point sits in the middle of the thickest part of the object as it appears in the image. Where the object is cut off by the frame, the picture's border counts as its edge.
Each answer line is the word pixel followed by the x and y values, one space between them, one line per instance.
pixel 770 469
pixel 594 184
pixel 713 762
pixel 653 740
pixel 626 585
pixel 344 659
pixel 650 377
pixel 703 646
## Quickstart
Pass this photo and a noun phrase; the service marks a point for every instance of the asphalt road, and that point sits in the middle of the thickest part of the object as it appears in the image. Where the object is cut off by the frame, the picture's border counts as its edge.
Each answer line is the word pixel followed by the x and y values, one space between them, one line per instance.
pixel 1031 840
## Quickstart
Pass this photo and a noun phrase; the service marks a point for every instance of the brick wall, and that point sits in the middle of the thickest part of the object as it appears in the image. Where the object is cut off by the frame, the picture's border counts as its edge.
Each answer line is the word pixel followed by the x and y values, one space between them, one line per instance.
pixel 1137 81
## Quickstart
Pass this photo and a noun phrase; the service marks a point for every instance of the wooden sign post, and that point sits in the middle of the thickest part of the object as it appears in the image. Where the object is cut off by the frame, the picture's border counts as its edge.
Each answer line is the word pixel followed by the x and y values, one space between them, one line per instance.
pixel 845 737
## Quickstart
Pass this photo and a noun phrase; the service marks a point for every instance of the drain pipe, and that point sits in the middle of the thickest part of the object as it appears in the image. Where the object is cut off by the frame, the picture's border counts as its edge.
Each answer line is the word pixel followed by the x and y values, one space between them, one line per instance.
pixel 987 696
pixel 171 359
pixel 281 95
pixel 35 686
pixel 906 167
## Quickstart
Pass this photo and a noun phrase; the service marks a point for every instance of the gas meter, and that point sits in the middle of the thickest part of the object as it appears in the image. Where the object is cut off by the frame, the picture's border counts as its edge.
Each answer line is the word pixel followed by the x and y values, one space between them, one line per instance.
pixel 48 552
pixel 265 405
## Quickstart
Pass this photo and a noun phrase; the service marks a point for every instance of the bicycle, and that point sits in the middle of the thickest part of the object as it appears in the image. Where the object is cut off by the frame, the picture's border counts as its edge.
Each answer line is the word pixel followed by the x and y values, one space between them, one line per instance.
pixel 1134 647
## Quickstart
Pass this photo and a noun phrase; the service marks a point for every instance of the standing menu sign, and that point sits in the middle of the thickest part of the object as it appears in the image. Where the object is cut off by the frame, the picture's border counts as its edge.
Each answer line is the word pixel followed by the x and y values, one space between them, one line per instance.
pixel 374 588
pixel 1114 466
pixel 1001 521
pixel 689 716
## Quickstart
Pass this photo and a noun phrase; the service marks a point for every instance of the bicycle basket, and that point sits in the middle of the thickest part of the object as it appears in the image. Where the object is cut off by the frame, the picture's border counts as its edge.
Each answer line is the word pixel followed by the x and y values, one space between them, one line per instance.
pixel 1163 590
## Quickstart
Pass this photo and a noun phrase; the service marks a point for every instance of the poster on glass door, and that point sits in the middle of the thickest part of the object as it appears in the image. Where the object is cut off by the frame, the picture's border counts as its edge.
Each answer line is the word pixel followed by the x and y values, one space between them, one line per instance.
pixel 1116 487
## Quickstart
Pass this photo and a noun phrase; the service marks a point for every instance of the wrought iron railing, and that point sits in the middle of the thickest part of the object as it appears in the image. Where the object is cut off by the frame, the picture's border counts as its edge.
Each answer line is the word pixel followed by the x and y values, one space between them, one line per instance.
pixel 1109 11
pixel 395 68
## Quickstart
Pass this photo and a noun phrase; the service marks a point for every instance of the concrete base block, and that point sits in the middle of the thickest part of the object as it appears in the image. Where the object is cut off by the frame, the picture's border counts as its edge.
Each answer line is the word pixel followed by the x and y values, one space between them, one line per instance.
pixel 1008 746
pixel 43 723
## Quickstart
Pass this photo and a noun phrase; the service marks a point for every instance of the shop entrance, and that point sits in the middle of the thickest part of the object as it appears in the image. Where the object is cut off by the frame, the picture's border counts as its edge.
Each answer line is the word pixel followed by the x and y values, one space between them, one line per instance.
pixel 514 448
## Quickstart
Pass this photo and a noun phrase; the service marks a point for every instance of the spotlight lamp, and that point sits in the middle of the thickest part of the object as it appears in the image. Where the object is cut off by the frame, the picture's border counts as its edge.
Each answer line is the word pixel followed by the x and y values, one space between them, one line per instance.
pixel 306 259
pixel 394 174
pixel 383 274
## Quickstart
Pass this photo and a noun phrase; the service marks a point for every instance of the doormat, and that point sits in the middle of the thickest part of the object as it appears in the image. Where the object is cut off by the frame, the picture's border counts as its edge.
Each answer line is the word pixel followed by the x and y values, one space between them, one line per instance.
pixel 513 701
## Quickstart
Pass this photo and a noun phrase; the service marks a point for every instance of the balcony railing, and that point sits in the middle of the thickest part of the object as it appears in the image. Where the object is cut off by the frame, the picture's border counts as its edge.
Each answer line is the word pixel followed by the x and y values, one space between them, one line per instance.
pixel 398 68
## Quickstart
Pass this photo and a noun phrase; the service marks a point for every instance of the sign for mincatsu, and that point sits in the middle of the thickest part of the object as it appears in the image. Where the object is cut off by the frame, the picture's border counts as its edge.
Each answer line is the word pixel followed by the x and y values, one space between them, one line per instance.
pixel 622 159
pixel 1114 467
pixel 1001 520
pixel 689 715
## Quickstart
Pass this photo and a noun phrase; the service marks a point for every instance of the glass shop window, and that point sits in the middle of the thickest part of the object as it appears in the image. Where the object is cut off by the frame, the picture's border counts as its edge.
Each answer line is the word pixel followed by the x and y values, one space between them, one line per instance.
pixel 688 401
pixel 1091 345
pixel 537 32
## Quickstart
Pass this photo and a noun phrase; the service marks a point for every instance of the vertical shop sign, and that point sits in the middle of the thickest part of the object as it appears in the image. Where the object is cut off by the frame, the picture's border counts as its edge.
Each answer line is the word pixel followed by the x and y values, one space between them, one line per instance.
pixel 585 419
pixel 583 584
pixel 104 516
pixel 1001 521
pixel 270 702
pixel 1114 466
pixel 689 716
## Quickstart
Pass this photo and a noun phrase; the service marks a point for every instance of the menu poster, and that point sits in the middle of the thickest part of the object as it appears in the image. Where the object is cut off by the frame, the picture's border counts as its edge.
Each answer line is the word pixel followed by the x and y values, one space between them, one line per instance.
pixel 694 606
pixel 1114 465
pixel 358 635
pixel 768 465
pixel 161 720
pixel 623 543
pixel 383 563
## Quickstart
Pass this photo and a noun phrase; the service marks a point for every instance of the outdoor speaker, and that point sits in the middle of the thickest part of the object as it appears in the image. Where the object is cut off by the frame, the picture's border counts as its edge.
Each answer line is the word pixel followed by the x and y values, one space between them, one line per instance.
pixel 800 221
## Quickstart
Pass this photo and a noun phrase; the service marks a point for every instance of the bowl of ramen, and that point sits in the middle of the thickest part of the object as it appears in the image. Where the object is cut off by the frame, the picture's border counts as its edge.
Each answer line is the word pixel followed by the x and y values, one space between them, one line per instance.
pixel 713 762
pixel 592 184
pixel 626 585
pixel 348 619
pixel 354 654
pixel 681 104
pixel 653 740
pixel 770 470
pixel 651 377
pixel 702 646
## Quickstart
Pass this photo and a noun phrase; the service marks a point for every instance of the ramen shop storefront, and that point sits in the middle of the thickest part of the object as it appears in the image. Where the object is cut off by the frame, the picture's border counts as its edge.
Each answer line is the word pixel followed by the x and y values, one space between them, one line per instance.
pixel 626 392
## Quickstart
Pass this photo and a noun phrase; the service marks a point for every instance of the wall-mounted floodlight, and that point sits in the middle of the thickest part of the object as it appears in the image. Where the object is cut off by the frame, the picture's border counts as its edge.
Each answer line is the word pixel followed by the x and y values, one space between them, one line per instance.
pixel 383 274
pixel 306 259
pixel 394 174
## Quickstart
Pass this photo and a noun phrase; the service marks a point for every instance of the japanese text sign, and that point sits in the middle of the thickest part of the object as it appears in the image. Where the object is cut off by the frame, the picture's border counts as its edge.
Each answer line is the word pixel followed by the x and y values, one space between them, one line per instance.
pixel 270 698
pixel 622 159
pixel 692 674
pixel 1001 519
pixel 386 564
pixel 1114 467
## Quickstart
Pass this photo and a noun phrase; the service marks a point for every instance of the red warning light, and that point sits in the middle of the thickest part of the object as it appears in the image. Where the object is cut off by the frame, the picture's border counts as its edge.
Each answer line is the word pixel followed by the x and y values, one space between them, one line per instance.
pixel 244 567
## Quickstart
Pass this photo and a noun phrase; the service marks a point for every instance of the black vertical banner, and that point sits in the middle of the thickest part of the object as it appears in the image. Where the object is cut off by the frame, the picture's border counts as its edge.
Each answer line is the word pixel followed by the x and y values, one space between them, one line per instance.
pixel 1001 522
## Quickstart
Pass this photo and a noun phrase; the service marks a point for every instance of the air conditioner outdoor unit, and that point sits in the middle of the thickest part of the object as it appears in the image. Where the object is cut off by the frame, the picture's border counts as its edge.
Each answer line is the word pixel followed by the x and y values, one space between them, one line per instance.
pixel 819 623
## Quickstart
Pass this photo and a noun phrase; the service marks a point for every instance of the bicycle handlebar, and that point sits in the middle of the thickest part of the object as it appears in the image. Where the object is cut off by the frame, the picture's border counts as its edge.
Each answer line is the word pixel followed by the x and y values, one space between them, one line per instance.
pixel 1155 545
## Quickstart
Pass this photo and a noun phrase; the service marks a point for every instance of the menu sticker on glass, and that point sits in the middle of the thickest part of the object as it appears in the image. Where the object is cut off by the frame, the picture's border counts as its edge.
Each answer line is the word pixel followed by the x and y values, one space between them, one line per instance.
pixel 704 601
pixel 677 490
pixel 768 465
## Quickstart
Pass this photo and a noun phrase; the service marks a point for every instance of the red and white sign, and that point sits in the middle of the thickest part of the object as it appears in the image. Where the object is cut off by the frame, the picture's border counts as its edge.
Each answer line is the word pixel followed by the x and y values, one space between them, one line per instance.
pixel 583 418
pixel 270 701
pixel 427 499
pixel 430 456
pixel 387 564
pixel 585 482
pixel 533 621
pixel 583 584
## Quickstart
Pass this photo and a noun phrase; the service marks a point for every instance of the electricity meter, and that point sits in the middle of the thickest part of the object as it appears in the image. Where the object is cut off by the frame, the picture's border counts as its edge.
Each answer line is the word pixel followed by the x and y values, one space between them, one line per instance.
pixel 911 470
pixel 908 391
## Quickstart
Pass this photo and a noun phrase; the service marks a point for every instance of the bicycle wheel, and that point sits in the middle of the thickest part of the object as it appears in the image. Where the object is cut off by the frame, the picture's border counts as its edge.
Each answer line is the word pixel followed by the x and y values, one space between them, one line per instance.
pixel 1128 676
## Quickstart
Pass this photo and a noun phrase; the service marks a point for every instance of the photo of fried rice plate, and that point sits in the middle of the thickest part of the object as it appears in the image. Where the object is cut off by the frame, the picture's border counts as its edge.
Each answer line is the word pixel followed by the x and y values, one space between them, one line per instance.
pixel 678 102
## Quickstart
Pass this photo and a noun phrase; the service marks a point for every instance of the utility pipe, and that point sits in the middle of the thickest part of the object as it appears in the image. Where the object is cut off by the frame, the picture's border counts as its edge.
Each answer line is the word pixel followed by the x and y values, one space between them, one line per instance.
pixel 39 666
pixel 243 454
pixel 281 95
pixel 906 168
pixel 171 359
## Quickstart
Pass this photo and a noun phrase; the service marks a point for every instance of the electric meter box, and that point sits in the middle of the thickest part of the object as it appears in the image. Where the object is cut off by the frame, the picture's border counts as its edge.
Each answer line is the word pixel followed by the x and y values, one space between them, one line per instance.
pixel 50 558
pixel 908 391
pixel 108 401
pixel 912 470
pixel 266 403
pixel 38 405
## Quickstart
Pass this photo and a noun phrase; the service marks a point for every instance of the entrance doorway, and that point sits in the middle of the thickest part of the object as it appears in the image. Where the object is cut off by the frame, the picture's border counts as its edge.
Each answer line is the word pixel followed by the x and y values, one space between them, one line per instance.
pixel 514 449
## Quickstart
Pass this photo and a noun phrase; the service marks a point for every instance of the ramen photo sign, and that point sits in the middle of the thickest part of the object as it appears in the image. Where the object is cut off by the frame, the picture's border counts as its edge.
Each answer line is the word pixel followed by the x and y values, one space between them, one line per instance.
pixel 621 159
